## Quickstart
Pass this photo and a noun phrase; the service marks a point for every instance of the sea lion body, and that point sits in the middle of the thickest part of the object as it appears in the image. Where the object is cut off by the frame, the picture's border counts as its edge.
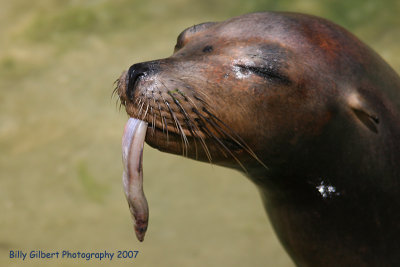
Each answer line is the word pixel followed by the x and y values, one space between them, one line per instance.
pixel 307 111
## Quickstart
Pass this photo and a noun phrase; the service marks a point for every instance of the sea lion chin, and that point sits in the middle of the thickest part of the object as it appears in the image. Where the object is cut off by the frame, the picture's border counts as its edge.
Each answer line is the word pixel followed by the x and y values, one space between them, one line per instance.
pixel 304 109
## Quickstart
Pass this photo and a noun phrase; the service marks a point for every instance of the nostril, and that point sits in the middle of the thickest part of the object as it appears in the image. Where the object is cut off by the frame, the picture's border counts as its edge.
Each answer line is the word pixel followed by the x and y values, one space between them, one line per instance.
pixel 135 73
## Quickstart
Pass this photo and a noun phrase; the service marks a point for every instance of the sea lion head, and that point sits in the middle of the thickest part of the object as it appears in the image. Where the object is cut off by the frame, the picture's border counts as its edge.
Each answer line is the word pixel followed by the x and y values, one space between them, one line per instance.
pixel 250 92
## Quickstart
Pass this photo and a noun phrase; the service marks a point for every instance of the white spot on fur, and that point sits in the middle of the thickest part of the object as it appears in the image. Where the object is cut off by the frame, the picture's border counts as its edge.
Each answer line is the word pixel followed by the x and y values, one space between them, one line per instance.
pixel 241 73
pixel 327 190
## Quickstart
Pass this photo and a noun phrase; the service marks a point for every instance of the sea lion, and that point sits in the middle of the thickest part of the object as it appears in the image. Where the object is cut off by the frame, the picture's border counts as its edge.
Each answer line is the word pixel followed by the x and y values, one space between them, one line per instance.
pixel 304 109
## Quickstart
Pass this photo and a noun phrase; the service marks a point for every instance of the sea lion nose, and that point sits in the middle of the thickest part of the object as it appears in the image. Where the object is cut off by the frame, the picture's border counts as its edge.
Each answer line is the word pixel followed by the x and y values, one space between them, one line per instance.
pixel 137 72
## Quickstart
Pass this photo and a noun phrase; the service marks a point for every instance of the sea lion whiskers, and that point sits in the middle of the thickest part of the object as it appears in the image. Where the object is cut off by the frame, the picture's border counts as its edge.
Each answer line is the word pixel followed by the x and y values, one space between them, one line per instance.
pixel 180 130
pixel 165 124
pixel 196 130
pixel 137 101
pixel 147 108
pixel 192 127
pixel 234 136
pixel 116 85
pixel 218 140
pixel 116 93
pixel 141 103
pixel 187 98
pixel 154 114
pixel 162 118
pixel 187 119
pixel 196 93
pixel 201 139
pixel 207 132
pixel 178 126
pixel 153 118
pixel 193 133
pixel 214 122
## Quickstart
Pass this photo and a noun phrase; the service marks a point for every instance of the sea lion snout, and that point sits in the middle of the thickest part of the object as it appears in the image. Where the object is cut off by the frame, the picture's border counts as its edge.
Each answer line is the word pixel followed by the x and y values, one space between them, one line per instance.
pixel 136 72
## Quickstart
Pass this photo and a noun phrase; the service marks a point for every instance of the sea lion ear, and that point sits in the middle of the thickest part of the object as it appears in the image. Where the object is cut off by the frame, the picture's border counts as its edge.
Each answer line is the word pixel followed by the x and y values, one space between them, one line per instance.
pixel 363 111
pixel 184 36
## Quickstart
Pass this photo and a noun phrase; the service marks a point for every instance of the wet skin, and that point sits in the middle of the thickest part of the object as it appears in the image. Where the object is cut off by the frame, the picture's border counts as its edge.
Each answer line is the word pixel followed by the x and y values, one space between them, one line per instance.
pixel 304 109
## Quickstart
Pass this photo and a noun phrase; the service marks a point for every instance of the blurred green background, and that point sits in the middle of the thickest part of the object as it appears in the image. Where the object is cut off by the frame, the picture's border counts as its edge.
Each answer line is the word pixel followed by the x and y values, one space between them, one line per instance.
pixel 60 132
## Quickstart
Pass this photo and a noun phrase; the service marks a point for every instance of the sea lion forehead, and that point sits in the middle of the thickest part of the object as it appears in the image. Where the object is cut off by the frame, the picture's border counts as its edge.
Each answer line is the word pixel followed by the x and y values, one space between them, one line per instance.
pixel 297 31
pixel 261 26
pixel 252 31
pixel 272 26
